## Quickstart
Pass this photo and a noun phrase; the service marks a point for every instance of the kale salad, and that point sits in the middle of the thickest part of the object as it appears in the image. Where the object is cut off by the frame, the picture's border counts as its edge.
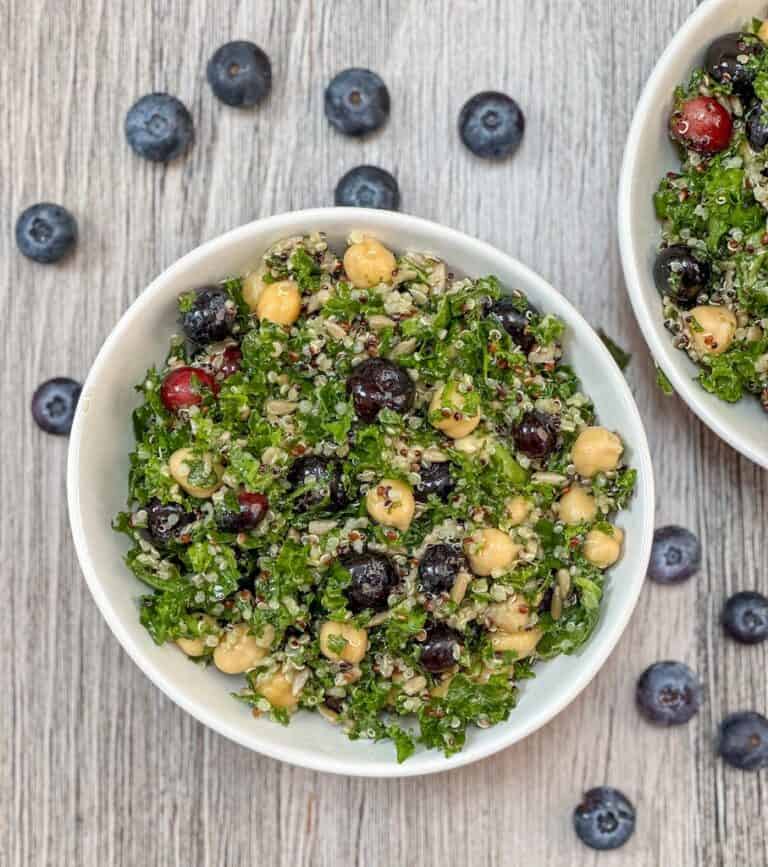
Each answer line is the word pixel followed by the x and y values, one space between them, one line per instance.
pixel 712 267
pixel 371 489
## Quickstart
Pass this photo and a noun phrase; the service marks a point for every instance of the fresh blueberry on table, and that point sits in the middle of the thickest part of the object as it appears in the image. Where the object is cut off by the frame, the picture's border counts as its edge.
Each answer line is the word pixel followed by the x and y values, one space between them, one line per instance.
pixel 368 187
pixel 46 232
pixel 240 74
pixel 681 274
pixel 605 819
pixel 54 403
pixel 727 60
pixel 668 693
pixel 210 316
pixel 159 127
pixel 745 617
pixel 743 740
pixel 675 555
pixel 491 125
pixel 357 102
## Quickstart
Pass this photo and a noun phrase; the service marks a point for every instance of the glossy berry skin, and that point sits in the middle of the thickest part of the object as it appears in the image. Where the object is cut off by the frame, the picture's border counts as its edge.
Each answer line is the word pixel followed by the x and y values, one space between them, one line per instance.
pixel 240 74
pixel 668 693
pixel 356 102
pixel 675 555
pixel 373 577
pixel 322 479
pixel 46 233
pixel 515 321
pixel 437 654
pixel 368 187
pixel 185 386
pixel 231 361
pixel 166 520
pixel 159 127
pixel 436 479
pixel 54 403
pixel 439 567
pixel 743 740
pixel 725 60
pixel 253 508
pixel 702 125
pixel 757 127
pixel 377 383
pixel 605 819
pixel 681 275
pixel 491 125
pixel 745 617
pixel 535 434
pixel 211 316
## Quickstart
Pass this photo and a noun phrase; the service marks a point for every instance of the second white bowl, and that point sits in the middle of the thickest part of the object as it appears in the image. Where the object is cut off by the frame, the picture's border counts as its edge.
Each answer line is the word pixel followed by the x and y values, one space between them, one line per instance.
pixel 97 476
pixel 649 154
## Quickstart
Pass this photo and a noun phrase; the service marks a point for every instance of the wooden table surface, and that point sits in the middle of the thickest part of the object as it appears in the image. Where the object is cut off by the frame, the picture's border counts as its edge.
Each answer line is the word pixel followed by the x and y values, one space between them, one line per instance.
pixel 97 766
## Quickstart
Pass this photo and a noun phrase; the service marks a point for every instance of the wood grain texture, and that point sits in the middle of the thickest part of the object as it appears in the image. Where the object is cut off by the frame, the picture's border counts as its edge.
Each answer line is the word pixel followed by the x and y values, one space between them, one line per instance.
pixel 96 765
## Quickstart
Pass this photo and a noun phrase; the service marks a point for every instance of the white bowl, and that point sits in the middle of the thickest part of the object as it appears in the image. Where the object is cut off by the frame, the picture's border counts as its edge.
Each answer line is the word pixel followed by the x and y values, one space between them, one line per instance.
pixel 97 484
pixel 649 154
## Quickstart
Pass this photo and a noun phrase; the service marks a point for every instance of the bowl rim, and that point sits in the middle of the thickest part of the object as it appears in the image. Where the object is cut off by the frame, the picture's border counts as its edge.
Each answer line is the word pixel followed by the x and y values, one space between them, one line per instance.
pixel 663 352
pixel 602 642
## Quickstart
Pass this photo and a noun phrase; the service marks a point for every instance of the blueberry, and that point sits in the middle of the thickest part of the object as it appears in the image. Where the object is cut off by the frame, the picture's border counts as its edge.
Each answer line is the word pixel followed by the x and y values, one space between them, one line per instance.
pixel 368 187
pixel 240 73
pixel 54 403
pixel 439 567
pixel 159 127
pixel 681 274
pixel 435 479
pixel 319 482
pixel 675 555
pixel 535 434
pixel 728 60
pixel 515 315
pixel 438 652
pixel 745 617
pixel 605 819
pixel 376 384
pixel 743 740
pixel 356 102
pixel 491 125
pixel 668 693
pixel 373 577
pixel 46 232
pixel 757 127
pixel 210 317
pixel 250 511
pixel 164 520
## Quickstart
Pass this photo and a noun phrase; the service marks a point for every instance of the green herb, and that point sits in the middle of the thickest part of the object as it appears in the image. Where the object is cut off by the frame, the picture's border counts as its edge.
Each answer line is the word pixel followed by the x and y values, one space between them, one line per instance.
pixel 620 356
pixel 663 383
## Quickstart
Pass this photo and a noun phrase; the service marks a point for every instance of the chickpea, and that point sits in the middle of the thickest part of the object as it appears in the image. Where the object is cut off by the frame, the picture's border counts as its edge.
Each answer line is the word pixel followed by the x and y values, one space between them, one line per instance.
pixel 456 425
pixel 603 549
pixel 391 504
pixel 197 646
pixel 355 648
pixel 763 31
pixel 510 616
pixel 518 509
pixel 577 505
pixel 253 286
pixel 238 651
pixel 523 643
pixel 490 551
pixel 440 690
pixel 279 302
pixel 278 691
pixel 180 464
pixel 717 326
pixel 368 263
pixel 473 444
pixel 596 450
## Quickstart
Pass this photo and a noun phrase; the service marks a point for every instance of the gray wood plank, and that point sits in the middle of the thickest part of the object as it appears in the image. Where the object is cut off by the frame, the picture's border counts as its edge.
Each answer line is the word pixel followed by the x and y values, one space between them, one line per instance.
pixel 96 765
